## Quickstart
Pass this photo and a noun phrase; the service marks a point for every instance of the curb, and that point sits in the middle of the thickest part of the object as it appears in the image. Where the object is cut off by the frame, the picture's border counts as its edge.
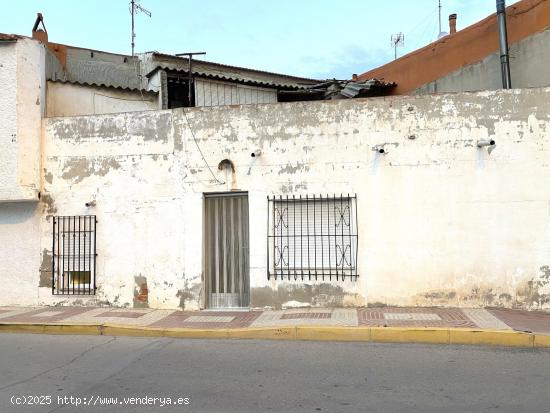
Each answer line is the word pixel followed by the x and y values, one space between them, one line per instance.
pixel 449 336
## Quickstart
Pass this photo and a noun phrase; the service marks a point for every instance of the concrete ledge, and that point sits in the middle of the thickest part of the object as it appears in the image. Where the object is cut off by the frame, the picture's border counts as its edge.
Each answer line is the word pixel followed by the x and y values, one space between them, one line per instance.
pixel 453 336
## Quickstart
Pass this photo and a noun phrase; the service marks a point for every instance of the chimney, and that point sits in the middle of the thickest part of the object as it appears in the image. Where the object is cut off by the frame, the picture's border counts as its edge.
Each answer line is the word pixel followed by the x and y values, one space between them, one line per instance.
pixel 452 23
pixel 40 34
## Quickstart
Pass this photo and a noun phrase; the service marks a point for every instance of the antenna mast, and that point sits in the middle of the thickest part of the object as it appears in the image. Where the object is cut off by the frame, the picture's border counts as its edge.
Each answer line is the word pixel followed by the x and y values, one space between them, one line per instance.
pixel 134 8
pixel 397 40
pixel 439 7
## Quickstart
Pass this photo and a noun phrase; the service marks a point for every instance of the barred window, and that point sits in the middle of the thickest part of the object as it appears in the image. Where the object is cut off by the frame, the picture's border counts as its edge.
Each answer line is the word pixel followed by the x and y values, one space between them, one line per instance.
pixel 312 237
pixel 74 255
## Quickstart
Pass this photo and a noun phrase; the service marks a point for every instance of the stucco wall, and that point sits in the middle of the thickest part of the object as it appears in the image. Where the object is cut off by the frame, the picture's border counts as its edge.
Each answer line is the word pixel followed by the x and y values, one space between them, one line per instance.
pixel 19 253
pixel 22 91
pixel 67 99
pixel 529 62
pixel 440 220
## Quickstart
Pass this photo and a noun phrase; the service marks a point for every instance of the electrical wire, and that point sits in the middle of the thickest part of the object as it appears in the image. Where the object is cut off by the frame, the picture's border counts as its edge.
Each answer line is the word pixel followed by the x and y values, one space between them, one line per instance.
pixel 199 148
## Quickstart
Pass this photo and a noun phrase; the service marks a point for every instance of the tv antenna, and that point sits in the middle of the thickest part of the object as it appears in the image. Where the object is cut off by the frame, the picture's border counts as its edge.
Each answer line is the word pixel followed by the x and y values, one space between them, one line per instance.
pixel 441 33
pixel 397 40
pixel 135 8
pixel 439 9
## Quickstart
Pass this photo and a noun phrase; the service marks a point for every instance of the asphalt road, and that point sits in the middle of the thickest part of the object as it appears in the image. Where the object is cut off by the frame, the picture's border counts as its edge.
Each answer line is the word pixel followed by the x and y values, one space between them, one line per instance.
pixel 266 376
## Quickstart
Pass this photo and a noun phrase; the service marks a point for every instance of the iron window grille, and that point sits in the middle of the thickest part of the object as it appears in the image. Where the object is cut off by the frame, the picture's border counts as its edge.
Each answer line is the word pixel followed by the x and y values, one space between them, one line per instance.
pixel 312 237
pixel 74 255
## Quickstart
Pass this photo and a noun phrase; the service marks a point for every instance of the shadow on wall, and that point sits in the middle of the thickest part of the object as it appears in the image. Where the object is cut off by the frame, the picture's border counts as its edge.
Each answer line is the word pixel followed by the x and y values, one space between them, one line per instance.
pixel 303 295
pixel 13 213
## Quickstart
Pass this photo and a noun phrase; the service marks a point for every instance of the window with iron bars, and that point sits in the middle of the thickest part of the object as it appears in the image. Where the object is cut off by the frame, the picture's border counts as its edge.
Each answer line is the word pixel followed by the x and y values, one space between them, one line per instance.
pixel 74 255
pixel 312 237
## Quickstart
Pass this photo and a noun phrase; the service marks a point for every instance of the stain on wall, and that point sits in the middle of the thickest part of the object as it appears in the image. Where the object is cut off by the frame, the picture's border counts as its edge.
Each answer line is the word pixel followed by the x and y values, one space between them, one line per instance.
pixel 48 203
pixel 46 269
pixel 141 292
pixel 79 169
pixel 287 295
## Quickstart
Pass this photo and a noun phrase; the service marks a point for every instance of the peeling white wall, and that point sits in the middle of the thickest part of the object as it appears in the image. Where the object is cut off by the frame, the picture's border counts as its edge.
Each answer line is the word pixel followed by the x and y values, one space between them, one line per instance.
pixel 67 99
pixel 440 220
pixel 22 92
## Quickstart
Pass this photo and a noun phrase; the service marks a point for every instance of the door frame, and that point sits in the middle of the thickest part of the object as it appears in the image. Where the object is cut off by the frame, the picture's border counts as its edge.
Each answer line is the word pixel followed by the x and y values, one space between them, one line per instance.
pixel 244 279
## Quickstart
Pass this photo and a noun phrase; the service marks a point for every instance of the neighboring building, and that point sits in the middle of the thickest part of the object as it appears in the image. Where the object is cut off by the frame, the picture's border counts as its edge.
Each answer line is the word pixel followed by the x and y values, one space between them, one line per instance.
pixel 423 200
pixel 85 81
pixel 469 59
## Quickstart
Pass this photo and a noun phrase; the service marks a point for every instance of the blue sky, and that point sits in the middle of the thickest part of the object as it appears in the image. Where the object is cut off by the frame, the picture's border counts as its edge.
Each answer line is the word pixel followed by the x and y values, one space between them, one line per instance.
pixel 311 38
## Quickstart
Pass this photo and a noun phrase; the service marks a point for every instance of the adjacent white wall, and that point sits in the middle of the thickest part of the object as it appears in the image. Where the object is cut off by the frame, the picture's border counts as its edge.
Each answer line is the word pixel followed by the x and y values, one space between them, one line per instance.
pixel 68 99
pixel 22 94
pixel 22 98
pixel 440 220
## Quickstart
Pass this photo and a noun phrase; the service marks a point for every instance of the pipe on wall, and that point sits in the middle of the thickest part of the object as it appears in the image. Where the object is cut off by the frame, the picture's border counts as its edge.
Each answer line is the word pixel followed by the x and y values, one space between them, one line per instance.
pixel 503 41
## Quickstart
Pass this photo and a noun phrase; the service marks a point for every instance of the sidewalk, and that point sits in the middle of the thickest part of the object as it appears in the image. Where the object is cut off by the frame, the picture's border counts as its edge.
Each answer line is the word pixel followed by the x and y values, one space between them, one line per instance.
pixel 387 324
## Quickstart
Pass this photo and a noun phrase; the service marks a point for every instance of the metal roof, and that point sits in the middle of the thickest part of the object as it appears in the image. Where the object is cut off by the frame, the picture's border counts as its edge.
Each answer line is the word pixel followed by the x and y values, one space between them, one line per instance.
pixel 96 84
pixel 372 87
pixel 9 37
pixel 343 89
pixel 161 61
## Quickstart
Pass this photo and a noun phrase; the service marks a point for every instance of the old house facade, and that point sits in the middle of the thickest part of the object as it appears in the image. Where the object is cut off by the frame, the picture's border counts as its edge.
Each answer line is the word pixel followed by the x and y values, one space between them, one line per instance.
pixel 422 200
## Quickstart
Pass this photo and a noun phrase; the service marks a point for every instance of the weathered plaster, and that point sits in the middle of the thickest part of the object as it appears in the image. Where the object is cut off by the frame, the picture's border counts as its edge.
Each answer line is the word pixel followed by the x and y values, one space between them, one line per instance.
pixel 22 94
pixel 441 222
pixel 68 99
pixel 78 169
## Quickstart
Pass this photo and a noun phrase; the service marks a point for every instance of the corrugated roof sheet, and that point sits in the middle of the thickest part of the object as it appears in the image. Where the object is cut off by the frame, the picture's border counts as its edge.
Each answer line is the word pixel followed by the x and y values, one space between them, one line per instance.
pixel 225 72
pixel 8 37
pixel 343 89
pixel 92 67
pixel 98 68
pixel 80 83
pixel 239 79
pixel 365 88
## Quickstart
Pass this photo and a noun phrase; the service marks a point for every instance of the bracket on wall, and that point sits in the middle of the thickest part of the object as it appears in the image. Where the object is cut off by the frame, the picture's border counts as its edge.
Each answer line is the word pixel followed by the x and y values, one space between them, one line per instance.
pixel 490 144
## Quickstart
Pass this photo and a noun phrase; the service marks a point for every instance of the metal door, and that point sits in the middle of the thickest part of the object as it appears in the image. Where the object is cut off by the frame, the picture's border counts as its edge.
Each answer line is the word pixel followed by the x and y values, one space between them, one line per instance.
pixel 226 251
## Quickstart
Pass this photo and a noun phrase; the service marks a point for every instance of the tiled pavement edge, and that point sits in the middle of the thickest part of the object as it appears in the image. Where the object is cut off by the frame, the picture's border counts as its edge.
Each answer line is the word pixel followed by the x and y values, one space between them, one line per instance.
pixel 414 317
pixel 430 324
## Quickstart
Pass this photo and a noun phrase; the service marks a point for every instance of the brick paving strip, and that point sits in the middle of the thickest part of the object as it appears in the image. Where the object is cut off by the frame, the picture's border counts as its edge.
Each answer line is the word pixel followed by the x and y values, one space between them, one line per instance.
pixel 404 317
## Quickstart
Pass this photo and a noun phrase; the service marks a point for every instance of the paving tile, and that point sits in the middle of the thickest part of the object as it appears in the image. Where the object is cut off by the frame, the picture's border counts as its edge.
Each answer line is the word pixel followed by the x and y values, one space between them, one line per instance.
pixel 209 319
pixel 215 319
pixel 484 319
pixel 414 317
pixel 131 317
pixel 305 316
pixel 46 315
pixel 12 311
pixel 521 320
pixel 122 314
pixel 338 317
